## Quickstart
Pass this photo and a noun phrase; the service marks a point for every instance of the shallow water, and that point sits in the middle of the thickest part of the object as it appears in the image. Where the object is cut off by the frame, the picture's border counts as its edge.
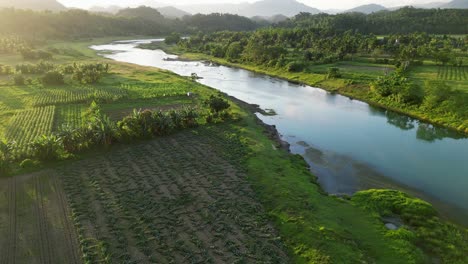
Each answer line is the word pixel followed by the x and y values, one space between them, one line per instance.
pixel 349 144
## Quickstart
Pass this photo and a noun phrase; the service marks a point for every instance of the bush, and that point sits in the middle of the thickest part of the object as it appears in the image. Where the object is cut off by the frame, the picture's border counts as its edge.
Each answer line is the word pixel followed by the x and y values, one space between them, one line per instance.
pixel 333 72
pixel 19 79
pixel 173 38
pixel 217 104
pixel 47 148
pixel 295 66
pixel 29 54
pixel 28 163
pixel 89 73
pixel 53 78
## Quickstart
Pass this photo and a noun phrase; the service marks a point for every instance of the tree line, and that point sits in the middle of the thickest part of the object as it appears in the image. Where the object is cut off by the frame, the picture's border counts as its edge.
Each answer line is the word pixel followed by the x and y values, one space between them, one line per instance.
pixel 404 20
pixel 148 21
pixel 97 129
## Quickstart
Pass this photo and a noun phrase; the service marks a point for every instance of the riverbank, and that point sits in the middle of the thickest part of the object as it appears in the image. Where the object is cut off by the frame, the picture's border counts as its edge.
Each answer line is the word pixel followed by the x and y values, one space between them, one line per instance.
pixel 346 87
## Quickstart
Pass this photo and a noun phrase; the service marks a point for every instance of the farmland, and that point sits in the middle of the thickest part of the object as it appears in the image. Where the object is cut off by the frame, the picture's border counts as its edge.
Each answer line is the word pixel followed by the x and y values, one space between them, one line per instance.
pixel 219 193
pixel 36 224
pixel 35 109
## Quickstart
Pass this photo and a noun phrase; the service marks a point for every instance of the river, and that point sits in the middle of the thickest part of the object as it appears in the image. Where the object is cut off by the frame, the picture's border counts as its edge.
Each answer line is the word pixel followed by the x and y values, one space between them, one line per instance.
pixel 349 144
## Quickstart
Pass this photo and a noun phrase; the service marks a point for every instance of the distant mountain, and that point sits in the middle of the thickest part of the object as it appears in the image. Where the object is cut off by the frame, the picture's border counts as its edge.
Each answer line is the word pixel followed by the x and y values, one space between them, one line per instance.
pixel 213 8
pixel 172 12
pixel 264 8
pixel 268 8
pixel 367 9
pixel 430 5
pixel 269 20
pixel 144 12
pixel 51 5
pixel 108 9
pixel 332 11
pixel 459 4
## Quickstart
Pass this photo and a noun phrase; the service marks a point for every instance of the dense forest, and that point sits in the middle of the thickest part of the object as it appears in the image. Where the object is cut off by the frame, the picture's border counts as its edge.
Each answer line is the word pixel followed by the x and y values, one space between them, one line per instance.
pixel 132 21
pixel 309 51
pixel 404 20
pixel 148 21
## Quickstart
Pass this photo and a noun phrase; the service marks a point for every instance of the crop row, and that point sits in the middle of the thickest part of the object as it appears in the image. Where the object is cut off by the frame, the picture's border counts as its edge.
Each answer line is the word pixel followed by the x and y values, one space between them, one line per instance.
pixel 451 73
pixel 155 90
pixel 171 200
pixel 68 114
pixel 81 95
pixel 27 125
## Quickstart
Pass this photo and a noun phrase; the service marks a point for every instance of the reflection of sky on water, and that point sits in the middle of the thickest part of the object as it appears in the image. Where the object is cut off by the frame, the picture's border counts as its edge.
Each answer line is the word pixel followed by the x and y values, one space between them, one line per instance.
pixel 416 154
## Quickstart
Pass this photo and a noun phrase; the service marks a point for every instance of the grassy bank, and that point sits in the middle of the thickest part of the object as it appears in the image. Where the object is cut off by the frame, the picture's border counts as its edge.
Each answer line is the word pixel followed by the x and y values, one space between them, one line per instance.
pixel 354 83
pixel 217 193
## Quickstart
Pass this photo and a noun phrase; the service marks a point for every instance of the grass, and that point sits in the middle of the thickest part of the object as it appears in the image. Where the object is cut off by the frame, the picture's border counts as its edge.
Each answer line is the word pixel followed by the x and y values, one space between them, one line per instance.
pixel 355 83
pixel 219 193
pixel 125 88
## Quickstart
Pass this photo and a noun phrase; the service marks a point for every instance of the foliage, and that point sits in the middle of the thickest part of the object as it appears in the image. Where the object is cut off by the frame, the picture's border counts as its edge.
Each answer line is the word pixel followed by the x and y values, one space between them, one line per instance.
pixel 19 79
pixel 29 54
pixel 333 72
pixel 295 66
pixel 400 86
pixel 218 22
pixel 403 20
pixel 46 148
pixel 53 78
pixel 173 38
pixel 444 240
pixel 39 68
pixel 88 73
pixel 217 104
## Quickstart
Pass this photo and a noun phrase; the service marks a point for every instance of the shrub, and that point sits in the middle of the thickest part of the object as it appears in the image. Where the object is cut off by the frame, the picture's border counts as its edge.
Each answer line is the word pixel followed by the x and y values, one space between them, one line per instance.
pixel 19 79
pixel 72 138
pixel 29 54
pixel 47 148
pixel 333 72
pixel 53 78
pixel 295 66
pixel 173 38
pixel 217 104
pixel 89 73
pixel 28 163
pixel 189 117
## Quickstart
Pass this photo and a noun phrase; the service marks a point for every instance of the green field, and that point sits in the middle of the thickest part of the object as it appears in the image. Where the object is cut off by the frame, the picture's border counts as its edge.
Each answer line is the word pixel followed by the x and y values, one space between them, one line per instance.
pixel 219 193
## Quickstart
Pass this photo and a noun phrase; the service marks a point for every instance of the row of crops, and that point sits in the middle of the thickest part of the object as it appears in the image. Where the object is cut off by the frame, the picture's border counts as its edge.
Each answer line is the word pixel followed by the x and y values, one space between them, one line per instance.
pixel 77 95
pixel 153 90
pixel 68 114
pixel 452 73
pixel 25 126
pixel 171 200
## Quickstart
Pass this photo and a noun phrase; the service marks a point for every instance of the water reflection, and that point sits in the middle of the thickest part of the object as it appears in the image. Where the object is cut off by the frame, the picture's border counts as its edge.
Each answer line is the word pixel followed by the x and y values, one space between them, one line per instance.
pixel 432 133
pixel 401 121
pixel 351 140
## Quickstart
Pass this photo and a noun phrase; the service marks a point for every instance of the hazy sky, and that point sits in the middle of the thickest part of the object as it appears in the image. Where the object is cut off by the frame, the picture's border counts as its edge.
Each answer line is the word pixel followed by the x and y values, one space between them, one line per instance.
pixel 321 4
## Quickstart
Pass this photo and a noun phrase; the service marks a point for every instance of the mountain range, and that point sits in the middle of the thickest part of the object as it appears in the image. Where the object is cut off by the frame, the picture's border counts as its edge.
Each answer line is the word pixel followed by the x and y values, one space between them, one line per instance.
pixel 51 5
pixel 261 9
pixel 367 9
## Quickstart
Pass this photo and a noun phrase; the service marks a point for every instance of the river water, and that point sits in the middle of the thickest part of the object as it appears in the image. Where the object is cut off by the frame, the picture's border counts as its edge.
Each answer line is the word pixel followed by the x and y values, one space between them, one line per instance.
pixel 349 144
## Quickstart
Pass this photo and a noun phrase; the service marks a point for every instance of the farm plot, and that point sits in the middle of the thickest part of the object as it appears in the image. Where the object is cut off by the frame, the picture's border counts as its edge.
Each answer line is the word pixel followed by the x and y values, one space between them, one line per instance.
pixel 27 125
pixel 55 96
pixel 35 222
pixel 68 114
pixel 452 73
pixel 171 200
